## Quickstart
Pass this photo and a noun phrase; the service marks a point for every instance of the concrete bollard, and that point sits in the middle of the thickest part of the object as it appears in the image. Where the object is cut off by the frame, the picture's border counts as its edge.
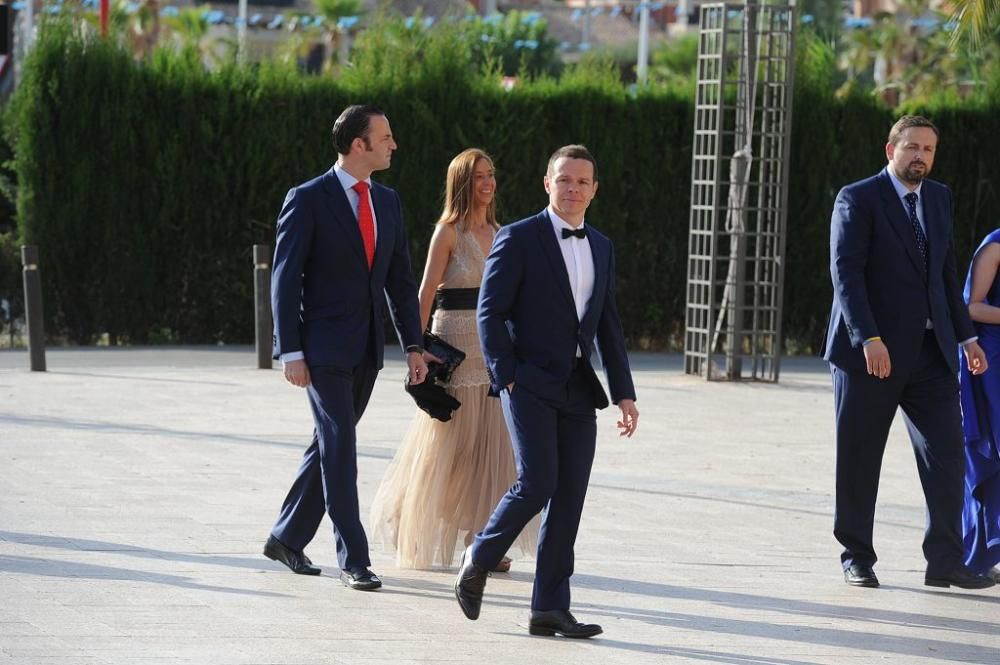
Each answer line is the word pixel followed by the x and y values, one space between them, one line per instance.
pixel 33 307
pixel 264 327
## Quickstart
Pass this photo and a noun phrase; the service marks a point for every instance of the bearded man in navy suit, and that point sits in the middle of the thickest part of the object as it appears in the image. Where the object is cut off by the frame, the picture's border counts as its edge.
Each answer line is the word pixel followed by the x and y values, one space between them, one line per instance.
pixel 897 320
pixel 341 256
pixel 548 291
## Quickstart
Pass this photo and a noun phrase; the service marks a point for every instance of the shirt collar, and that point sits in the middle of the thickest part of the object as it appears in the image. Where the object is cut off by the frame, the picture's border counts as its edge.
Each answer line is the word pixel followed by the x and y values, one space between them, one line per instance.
pixel 346 179
pixel 901 189
pixel 560 223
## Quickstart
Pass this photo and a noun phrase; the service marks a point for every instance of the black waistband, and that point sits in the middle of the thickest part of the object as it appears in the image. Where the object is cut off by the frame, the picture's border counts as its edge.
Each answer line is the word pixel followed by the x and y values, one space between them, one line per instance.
pixel 457 298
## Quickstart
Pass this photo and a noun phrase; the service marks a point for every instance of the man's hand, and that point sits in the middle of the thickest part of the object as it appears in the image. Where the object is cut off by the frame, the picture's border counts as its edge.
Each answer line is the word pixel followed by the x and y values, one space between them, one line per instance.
pixel 877 359
pixel 975 357
pixel 297 373
pixel 630 418
pixel 418 367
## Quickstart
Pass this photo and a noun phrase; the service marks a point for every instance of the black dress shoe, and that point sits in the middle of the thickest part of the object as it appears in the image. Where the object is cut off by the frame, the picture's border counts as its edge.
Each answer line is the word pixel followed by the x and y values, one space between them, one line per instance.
pixel 470 585
pixel 963 578
pixel 858 574
pixel 298 562
pixel 550 622
pixel 361 579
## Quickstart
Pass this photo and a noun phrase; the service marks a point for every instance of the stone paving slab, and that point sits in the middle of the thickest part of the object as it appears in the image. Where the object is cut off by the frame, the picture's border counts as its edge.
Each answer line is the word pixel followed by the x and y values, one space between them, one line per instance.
pixel 137 487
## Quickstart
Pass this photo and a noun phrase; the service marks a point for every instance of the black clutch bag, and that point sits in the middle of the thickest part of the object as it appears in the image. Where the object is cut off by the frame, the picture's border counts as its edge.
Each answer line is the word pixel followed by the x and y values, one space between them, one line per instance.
pixel 450 356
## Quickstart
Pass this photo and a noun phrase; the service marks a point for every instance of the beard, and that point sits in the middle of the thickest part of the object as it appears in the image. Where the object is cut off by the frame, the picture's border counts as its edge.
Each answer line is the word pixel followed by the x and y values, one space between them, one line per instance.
pixel 914 173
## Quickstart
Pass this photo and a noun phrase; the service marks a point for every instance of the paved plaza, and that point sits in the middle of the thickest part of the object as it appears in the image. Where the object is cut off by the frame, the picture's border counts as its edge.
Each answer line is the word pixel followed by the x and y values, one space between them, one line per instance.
pixel 137 487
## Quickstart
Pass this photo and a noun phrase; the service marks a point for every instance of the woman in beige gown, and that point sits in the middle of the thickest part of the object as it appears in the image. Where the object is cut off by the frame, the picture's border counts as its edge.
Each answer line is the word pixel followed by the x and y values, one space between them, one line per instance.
pixel 447 477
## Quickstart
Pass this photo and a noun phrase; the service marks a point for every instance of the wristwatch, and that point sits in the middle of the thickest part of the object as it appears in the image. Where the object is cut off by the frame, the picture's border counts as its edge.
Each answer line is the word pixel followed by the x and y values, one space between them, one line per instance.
pixel 415 348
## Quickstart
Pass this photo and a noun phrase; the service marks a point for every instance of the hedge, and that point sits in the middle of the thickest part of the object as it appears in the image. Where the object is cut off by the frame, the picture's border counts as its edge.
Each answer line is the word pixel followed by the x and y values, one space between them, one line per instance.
pixel 146 183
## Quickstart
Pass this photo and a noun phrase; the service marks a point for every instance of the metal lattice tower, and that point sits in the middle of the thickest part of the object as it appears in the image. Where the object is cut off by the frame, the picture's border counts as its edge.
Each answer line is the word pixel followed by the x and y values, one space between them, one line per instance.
pixel 739 190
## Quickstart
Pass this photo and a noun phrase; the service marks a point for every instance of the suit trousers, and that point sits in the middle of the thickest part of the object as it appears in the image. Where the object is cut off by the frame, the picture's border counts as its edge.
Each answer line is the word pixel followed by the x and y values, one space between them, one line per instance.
pixel 554 451
pixel 865 407
pixel 327 479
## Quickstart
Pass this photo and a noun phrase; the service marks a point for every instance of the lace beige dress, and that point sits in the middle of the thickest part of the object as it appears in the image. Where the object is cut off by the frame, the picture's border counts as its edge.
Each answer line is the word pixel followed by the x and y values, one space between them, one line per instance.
pixel 447 477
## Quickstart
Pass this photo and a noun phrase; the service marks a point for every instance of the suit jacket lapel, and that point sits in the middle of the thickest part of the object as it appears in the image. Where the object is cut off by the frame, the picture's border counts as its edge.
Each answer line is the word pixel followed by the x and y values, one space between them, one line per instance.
pixel 550 247
pixel 599 250
pixel 900 221
pixel 343 214
pixel 937 239
pixel 384 228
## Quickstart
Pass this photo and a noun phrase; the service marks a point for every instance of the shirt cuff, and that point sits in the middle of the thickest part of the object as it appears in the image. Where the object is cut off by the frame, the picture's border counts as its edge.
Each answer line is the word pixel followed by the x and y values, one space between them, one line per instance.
pixel 969 341
pixel 289 357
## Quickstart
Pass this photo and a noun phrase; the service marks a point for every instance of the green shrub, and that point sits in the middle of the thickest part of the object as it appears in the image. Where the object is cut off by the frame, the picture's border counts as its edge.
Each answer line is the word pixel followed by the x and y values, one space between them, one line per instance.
pixel 145 185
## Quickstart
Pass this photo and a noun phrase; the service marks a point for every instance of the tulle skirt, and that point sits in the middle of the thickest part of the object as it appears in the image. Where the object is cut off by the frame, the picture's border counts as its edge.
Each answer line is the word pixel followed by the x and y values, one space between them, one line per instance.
pixel 445 480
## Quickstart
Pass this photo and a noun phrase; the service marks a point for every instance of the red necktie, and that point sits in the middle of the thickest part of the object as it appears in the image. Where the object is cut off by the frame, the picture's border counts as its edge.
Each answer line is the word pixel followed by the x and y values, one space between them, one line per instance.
pixel 366 221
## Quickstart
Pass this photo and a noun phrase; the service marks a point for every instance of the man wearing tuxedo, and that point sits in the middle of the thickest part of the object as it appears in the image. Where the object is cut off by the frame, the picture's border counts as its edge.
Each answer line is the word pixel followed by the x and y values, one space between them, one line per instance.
pixel 896 322
pixel 341 255
pixel 548 291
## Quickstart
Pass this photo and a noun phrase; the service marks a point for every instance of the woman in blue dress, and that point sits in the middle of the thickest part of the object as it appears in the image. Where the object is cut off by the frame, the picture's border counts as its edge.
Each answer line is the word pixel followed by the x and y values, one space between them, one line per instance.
pixel 981 415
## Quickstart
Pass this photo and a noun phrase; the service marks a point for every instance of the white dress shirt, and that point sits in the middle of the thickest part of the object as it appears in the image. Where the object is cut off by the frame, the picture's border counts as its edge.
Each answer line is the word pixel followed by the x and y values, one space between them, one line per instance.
pixel 901 191
pixel 347 181
pixel 579 262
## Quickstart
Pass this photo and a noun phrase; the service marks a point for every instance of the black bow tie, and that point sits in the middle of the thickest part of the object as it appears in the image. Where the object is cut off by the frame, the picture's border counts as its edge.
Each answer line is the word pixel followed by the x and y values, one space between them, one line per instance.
pixel 574 233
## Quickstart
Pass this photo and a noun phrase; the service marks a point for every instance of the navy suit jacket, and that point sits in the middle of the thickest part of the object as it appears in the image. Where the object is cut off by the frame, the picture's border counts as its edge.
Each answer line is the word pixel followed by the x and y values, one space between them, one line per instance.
pixel 527 318
pixel 326 302
pixel 880 287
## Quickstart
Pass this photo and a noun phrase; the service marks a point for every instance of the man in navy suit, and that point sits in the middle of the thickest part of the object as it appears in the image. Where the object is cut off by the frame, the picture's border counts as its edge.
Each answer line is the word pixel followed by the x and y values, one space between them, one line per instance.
pixel 897 319
pixel 548 290
pixel 341 249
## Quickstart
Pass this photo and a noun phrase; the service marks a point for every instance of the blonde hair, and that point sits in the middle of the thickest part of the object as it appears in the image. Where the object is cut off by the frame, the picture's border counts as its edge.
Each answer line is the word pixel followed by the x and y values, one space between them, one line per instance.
pixel 458 190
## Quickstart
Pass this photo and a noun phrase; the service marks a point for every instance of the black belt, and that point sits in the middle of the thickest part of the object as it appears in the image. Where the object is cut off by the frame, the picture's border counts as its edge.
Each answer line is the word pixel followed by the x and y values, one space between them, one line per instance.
pixel 457 298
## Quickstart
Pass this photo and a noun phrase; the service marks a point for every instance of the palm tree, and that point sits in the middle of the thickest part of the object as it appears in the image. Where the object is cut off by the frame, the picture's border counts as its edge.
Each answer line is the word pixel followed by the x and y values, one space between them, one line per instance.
pixel 903 61
pixel 192 31
pixel 976 20
pixel 188 27
pixel 333 11
pixel 144 28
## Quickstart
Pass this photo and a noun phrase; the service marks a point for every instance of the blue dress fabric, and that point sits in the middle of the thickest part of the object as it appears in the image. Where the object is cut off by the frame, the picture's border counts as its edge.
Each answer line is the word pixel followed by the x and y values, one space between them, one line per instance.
pixel 981 422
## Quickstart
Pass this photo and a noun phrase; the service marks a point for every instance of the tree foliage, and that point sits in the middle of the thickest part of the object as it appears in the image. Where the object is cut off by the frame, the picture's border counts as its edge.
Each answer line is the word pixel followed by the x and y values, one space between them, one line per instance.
pixel 146 182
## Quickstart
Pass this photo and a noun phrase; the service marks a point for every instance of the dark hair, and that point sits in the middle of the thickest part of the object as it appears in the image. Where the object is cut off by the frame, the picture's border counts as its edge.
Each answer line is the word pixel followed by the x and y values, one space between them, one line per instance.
pixel 352 124
pixel 572 152
pixel 905 123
